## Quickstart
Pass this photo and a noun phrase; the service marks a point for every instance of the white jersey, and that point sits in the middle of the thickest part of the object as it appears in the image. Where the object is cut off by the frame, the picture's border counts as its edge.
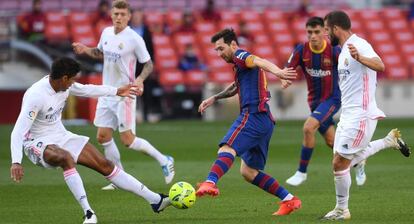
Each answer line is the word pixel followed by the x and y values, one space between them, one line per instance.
pixel 121 52
pixel 41 112
pixel 357 82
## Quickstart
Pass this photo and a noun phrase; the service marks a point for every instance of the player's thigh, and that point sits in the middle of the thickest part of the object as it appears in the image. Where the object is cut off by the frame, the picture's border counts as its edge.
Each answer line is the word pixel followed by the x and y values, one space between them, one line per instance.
pixel 354 136
pixel 329 135
pixel 326 110
pixel 126 114
pixel 58 157
pixel 105 115
pixel 92 158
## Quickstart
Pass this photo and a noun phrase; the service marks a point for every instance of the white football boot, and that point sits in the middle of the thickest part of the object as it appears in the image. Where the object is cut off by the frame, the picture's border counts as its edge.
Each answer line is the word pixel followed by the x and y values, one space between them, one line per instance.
pixel 360 175
pixel 109 187
pixel 338 214
pixel 297 179
pixel 168 170
pixel 90 218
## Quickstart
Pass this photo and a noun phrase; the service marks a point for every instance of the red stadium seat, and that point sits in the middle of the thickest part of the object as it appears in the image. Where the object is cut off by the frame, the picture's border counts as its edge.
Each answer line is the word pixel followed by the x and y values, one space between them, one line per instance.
pixel 174 18
pixel 195 78
pixel 217 63
pixel 392 14
pixel 166 58
pixel 206 28
pixel 79 18
pixel 398 24
pixel 273 15
pixel 56 32
pixel 374 26
pixel 161 40
pixel 256 27
pixel 369 15
pixel 387 47
pixel 250 16
pixel 275 27
pixel 230 16
pixel 396 73
pixel 56 18
pixel 171 78
pixel 154 18
pixel 229 24
pixel 221 76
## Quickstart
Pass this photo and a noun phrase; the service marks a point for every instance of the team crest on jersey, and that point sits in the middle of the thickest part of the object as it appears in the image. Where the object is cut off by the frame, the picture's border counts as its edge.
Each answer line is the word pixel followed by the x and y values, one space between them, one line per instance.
pixel 346 62
pixel 120 46
pixel 39 144
pixel 32 115
pixel 327 62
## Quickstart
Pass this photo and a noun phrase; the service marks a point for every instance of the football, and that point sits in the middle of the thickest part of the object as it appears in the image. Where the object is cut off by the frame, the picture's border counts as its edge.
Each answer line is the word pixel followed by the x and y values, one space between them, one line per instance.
pixel 182 195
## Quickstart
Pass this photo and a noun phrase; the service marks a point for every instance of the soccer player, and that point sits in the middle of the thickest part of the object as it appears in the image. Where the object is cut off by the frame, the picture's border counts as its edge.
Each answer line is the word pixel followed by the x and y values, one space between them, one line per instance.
pixel 358 65
pixel 319 63
pixel 121 47
pixel 250 133
pixel 40 133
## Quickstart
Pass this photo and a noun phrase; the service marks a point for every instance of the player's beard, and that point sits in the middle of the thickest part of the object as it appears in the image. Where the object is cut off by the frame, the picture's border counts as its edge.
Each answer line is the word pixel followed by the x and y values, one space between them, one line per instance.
pixel 334 40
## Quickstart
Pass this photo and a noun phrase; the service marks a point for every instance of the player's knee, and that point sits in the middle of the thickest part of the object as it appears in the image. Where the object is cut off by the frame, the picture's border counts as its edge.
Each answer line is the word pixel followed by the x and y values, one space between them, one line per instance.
pixel 102 138
pixel 65 160
pixel 106 167
pixel 329 143
pixel 308 130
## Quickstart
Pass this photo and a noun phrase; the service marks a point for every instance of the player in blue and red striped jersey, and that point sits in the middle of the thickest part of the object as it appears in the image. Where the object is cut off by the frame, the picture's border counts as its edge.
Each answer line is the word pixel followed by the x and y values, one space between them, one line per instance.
pixel 250 134
pixel 319 63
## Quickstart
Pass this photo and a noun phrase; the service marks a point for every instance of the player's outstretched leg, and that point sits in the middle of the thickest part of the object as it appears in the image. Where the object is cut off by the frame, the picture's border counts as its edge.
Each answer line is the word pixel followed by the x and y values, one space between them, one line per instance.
pixel 392 140
pixel 166 162
pixel 111 152
pixel 58 157
pixel 92 158
pixel 301 174
pixel 222 164
pixel 360 176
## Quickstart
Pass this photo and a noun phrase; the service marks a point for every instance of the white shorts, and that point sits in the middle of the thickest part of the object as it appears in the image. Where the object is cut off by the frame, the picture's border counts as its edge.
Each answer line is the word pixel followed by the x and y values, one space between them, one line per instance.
pixel 116 114
pixel 72 143
pixel 352 137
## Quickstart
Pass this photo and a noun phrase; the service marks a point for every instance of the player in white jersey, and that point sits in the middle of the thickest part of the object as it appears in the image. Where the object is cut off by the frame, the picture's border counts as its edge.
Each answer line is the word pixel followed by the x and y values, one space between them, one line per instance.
pixel 120 48
pixel 39 132
pixel 357 68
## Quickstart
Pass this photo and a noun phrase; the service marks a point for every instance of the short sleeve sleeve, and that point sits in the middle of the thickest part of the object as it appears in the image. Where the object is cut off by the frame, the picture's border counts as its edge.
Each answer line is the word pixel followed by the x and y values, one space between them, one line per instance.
pixel 141 51
pixel 241 58
pixel 367 50
pixel 295 57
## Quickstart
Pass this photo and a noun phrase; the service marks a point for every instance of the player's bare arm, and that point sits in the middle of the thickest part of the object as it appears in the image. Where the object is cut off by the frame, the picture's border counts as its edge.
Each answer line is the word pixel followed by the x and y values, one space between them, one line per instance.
pixel 375 64
pixel 91 52
pixel 229 91
pixel 286 73
pixel 146 71
pixel 16 172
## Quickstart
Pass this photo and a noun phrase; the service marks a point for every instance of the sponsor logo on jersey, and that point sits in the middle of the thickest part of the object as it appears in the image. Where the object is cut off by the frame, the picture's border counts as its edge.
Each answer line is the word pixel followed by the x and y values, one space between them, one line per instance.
pixel 112 56
pixel 54 116
pixel 318 72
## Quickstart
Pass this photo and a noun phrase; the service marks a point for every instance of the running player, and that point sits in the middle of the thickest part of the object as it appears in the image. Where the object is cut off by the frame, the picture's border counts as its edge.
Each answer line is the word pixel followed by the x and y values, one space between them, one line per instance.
pixel 40 133
pixel 319 63
pixel 358 65
pixel 121 47
pixel 250 134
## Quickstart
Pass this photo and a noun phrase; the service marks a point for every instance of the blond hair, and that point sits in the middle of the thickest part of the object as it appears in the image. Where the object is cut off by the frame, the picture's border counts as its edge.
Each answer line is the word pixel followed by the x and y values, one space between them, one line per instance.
pixel 121 4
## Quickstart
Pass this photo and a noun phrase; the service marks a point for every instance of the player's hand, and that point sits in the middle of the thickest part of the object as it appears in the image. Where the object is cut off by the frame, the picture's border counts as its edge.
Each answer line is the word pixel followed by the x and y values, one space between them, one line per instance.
pixel 16 172
pixel 353 51
pixel 139 83
pixel 287 74
pixel 129 90
pixel 206 103
pixel 79 48
pixel 285 83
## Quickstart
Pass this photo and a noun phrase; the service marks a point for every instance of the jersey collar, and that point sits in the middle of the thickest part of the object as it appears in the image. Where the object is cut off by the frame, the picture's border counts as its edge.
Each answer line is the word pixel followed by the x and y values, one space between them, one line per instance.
pixel 318 51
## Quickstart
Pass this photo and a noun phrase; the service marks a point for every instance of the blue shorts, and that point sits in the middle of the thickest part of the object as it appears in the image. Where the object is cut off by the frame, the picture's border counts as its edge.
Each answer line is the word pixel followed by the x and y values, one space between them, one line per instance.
pixel 250 135
pixel 324 113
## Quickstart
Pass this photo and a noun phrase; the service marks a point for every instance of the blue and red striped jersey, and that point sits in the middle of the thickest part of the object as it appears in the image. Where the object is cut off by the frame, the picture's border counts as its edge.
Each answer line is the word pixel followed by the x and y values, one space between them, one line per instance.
pixel 320 69
pixel 251 84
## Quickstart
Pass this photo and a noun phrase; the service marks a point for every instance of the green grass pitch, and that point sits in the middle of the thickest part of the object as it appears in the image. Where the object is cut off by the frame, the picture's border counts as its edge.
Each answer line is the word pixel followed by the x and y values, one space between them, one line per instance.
pixel 43 197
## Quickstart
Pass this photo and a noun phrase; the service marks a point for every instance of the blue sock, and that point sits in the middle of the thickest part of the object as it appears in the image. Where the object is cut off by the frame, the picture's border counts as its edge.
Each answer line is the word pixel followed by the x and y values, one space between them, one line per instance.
pixel 270 185
pixel 305 157
pixel 220 166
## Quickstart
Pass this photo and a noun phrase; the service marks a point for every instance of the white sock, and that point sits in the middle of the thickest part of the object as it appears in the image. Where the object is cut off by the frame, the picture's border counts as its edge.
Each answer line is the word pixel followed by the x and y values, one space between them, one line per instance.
pixel 129 183
pixel 112 153
pixel 373 147
pixel 342 185
pixel 75 184
pixel 142 145
pixel 288 197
